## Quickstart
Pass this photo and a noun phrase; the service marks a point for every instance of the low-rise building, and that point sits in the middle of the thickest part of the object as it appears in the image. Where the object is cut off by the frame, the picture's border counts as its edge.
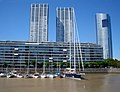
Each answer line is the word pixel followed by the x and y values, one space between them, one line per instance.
pixel 16 51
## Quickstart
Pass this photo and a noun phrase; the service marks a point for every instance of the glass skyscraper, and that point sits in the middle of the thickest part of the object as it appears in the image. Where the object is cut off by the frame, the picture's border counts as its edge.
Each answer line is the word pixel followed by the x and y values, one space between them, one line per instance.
pixel 104 37
pixel 39 23
pixel 64 24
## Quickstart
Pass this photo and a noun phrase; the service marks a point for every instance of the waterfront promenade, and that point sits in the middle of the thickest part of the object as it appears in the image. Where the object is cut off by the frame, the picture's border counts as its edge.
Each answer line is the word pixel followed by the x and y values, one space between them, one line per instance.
pixel 87 70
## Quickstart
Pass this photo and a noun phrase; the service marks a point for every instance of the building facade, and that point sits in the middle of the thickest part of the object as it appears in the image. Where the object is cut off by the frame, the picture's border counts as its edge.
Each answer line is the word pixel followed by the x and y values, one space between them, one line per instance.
pixel 39 23
pixel 21 51
pixel 64 24
pixel 103 34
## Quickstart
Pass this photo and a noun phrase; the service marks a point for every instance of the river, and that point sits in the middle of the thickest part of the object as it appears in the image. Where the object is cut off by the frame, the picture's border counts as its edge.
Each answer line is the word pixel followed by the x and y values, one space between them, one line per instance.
pixel 92 83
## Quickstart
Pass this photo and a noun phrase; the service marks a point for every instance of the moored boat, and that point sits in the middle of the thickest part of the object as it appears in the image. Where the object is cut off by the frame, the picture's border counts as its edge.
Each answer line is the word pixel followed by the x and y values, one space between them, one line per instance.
pixel 19 75
pixel 36 75
pixel 11 76
pixel 58 75
pixel 50 75
pixel 2 74
pixel 43 75
pixel 71 73
pixel 28 76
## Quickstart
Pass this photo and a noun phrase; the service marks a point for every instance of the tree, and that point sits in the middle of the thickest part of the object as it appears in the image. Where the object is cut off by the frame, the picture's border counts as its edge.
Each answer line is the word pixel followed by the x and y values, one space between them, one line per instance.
pixel 47 64
pixel 26 62
pixel 5 64
pixel 40 64
pixel 33 63
pixel 54 64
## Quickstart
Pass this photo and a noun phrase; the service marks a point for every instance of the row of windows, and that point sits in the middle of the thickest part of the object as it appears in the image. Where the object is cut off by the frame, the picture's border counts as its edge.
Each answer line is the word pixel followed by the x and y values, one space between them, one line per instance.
pixel 39 5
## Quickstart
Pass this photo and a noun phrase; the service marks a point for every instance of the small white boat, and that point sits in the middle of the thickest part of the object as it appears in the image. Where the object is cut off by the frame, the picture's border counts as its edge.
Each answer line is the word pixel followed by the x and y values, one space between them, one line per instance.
pixel 36 75
pixel 3 75
pixel 10 76
pixel 19 76
pixel 28 76
pixel 50 75
pixel 43 75
pixel 14 73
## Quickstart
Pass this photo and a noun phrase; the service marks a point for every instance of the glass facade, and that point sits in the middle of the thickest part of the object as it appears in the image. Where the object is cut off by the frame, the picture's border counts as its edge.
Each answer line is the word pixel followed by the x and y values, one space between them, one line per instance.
pixel 64 24
pixel 16 51
pixel 39 23
pixel 104 37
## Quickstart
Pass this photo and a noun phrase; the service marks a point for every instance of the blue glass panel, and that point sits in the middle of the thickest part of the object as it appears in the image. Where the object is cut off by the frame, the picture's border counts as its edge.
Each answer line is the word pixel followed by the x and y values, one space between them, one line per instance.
pixel 105 23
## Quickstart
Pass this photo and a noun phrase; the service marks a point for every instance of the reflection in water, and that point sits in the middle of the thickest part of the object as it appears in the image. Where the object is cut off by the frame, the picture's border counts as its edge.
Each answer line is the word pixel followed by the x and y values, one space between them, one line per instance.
pixel 93 83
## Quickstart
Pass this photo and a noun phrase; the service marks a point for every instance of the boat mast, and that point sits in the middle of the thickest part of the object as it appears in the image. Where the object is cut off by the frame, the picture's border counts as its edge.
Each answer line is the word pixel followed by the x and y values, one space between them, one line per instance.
pixel 28 61
pixel 69 44
pixel 74 38
pixel 36 64
pixel 44 65
pixel 79 45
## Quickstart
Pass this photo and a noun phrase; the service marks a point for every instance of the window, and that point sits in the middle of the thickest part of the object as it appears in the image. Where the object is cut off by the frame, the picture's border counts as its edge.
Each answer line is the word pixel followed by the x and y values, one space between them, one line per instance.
pixel 105 23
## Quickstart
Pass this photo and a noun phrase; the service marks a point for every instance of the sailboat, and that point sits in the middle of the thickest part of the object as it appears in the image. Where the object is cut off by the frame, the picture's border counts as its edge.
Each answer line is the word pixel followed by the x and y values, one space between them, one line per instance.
pixel 71 72
pixel 50 74
pixel 19 75
pixel 58 74
pixel 28 75
pixel 44 75
pixel 36 74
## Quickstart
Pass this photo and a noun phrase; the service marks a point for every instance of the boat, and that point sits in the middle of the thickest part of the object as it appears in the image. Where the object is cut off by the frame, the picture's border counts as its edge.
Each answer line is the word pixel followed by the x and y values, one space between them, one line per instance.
pixel 36 75
pixel 11 75
pixel 13 72
pixel 58 75
pixel 2 74
pixel 71 73
pixel 28 76
pixel 19 75
pixel 50 75
pixel 43 75
pixel 74 56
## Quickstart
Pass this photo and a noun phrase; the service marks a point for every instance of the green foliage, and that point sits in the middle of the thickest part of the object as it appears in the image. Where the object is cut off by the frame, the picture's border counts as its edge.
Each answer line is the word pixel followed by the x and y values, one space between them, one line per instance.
pixel 102 64
pixel 54 64
pixel 5 64
pixel 98 64
pixel 26 62
pixel 33 63
pixel 40 64
pixel 47 64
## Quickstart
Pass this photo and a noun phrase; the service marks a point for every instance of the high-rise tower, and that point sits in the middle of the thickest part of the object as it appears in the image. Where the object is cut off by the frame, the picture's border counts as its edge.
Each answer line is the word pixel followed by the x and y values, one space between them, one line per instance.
pixel 39 23
pixel 64 24
pixel 104 37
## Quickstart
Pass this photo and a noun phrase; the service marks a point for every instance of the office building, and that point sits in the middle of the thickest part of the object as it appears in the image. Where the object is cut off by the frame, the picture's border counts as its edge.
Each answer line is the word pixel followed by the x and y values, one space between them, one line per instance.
pixel 64 24
pixel 21 51
pixel 39 23
pixel 103 34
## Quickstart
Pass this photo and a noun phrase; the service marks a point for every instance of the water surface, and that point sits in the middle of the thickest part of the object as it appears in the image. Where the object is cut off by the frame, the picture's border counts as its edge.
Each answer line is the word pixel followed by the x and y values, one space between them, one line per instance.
pixel 93 83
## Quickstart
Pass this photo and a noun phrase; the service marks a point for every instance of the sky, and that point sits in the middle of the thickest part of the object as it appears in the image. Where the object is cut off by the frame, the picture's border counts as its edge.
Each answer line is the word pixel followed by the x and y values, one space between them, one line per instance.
pixel 15 19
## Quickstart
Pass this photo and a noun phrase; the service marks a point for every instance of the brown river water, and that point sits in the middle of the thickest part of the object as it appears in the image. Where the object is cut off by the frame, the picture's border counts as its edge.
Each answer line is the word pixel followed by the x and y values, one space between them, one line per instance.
pixel 92 83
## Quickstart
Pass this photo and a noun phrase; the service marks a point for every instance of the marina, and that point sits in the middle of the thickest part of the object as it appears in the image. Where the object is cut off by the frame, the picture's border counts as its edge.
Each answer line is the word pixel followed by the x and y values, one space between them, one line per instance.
pixel 92 83
pixel 73 62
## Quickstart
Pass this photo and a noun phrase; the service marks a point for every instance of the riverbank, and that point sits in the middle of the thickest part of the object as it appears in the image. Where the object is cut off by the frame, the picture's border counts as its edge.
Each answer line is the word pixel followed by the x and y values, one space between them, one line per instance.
pixel 102 70
pixel 54 70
